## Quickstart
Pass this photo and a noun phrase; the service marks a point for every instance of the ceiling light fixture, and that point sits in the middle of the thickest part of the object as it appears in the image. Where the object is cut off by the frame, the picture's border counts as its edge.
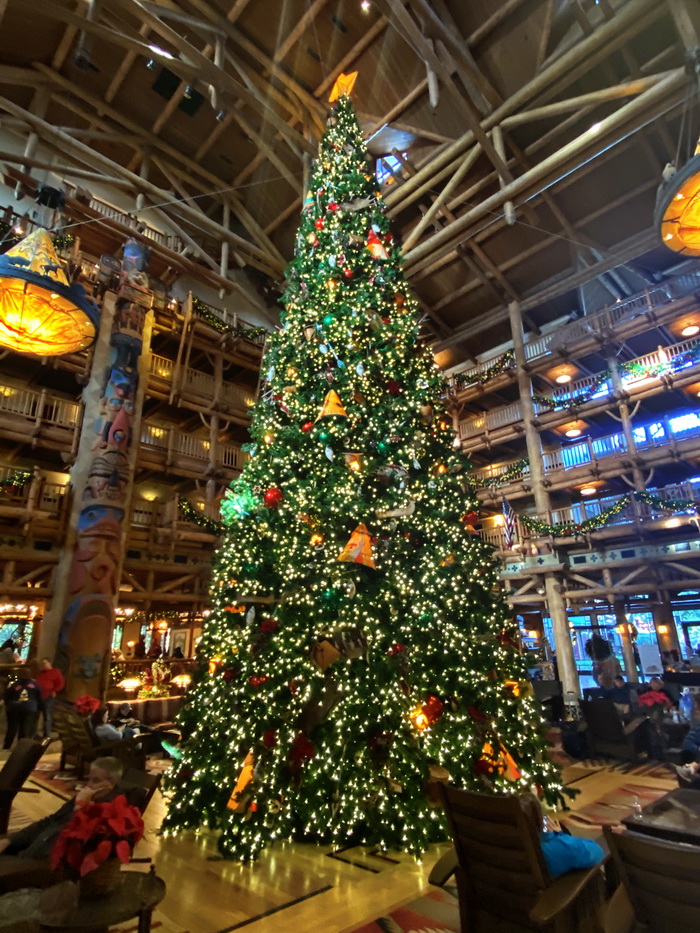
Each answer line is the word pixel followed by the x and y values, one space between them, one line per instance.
pixel 365 6
pixel 587 490
pixel 573 432
pixel 676 213
pixel 563 378
pixel 691 330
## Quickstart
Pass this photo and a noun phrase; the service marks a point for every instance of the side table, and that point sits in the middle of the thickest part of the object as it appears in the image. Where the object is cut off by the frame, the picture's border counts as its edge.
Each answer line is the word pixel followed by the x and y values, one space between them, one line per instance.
pixel 134 895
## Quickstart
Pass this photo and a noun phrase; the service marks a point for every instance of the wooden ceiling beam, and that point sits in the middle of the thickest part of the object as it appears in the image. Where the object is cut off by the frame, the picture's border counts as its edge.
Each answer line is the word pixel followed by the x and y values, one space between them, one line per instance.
pixel 632 19
pixel 627 119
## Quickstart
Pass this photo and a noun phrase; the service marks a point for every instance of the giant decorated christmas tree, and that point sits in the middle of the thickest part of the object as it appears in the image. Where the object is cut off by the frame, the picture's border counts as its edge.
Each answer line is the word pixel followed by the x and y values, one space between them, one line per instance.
pixel 358 648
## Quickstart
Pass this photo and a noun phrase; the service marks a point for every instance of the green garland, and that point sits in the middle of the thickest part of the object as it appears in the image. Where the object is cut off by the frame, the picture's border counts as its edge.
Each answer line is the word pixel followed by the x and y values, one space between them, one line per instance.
pixel 572 529
pixel 625 369
pixel 190 514
pixel 503 478
pixel 507 361
pixel 668 505
pixel 62 240
pixel 18 478
pixel 239 330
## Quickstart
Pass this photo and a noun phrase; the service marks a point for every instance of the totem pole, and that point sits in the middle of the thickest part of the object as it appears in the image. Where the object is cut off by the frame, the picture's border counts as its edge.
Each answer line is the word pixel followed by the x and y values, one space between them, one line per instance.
pixel 84 644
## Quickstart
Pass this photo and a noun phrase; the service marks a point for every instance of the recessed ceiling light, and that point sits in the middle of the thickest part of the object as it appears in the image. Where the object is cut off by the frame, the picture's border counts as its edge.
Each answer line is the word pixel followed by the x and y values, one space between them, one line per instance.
pixel 691 330
pixel 587 490
pixel 573 432
pixel 563 378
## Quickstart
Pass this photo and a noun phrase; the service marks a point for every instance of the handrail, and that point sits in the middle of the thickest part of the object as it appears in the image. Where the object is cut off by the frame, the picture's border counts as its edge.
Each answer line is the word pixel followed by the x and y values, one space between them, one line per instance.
pixel 605 319
pixel 166 438
pixel 589 450
pixel 509 414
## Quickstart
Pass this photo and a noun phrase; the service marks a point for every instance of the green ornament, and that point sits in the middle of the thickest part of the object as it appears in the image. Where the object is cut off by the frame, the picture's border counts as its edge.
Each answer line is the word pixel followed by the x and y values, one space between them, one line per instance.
pixel 251 568
pixel 425 618
pixel 332 597
pixel 324 436
pixel 383 447
pixel 328 320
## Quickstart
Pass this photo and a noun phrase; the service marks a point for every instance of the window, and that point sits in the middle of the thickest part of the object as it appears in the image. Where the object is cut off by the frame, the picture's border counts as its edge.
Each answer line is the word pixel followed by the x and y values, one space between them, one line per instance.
pixel 684 422
pixel 387 167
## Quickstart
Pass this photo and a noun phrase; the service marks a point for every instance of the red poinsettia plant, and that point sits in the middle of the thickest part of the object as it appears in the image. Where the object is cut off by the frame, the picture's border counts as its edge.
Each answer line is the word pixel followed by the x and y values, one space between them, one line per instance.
pixel 97 832
pixel 654 698
pixel 86 705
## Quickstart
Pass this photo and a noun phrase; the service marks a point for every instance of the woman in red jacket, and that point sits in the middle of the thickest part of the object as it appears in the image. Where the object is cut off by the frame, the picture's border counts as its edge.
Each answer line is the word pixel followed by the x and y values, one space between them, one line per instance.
pixel 51 682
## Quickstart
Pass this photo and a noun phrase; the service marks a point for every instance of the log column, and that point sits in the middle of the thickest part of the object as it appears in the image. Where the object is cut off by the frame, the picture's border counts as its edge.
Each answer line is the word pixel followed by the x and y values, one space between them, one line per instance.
pixel 553 586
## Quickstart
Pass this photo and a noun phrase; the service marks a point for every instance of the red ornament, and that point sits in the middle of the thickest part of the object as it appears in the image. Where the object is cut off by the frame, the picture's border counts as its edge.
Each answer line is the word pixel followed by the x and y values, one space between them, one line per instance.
pixel 318 223
pixel 389 237
pixel 395 649
pixel 483 766
pixel 257 680
pixel 333 205
pixel 269 625
pixel 302 750
pixel 270 738
pixel 433 708
pixel 470 518
pixel 307 426
pixel 393 387
pixel 349 274
pixel 476 714
pixel 273 497
pixel 228 674
pixel 386 320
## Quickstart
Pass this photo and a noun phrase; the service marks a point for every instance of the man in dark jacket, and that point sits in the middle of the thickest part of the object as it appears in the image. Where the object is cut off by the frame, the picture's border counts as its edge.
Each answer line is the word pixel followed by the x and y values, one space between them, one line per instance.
pixel 36 841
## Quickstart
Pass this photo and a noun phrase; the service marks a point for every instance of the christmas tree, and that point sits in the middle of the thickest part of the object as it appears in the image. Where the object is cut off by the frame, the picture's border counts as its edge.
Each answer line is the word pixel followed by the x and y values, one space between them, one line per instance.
pixel 358 649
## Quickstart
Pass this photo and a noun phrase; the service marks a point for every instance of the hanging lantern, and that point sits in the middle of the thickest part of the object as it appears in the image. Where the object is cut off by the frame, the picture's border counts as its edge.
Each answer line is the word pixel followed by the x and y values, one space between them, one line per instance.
pixel 677 212
pixel 40 313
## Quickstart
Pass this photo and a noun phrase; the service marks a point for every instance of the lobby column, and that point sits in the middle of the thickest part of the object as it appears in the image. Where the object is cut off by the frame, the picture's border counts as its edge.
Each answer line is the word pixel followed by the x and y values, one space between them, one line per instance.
pixel 553 586
pixel 88 575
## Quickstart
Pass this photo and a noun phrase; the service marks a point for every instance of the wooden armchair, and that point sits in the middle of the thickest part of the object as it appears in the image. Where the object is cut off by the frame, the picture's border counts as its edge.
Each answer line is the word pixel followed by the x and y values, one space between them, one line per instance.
pixel 79 745
pixel 501 872
pixel 661 880
pixel 15 771
pixel 609 736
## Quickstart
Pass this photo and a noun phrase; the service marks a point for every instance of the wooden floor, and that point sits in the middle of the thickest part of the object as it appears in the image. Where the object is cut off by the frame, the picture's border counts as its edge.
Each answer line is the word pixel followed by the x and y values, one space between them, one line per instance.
pixel 292 888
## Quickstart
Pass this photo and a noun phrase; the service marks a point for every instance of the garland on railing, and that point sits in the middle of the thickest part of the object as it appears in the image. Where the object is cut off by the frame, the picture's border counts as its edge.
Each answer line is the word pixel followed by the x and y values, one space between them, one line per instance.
pixel 62 240
pixel 569 529
pixel 566 529
pixel 190 514
pixel 503 363
pixel 512 472
pixel 201 309
pixel 18 478
pixel 625 369
pixel 692 506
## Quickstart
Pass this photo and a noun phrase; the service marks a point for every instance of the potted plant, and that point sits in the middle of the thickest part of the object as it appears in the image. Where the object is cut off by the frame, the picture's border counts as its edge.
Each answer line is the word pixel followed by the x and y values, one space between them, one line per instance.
pixel 99 838
pixel 86 705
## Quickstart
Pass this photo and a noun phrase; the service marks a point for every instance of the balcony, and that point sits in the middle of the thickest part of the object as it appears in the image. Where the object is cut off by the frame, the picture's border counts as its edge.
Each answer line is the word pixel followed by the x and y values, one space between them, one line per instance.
pixel 27 415
pixel 590 395
pixel 624 319
pixel 634 513
pixel 184 454
pixel 35 504
pixel 198 390
pixel 669 434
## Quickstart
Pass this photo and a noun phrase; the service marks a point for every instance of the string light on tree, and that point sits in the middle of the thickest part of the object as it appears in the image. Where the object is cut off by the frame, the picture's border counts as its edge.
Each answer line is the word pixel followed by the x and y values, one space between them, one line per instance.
pixel 370 613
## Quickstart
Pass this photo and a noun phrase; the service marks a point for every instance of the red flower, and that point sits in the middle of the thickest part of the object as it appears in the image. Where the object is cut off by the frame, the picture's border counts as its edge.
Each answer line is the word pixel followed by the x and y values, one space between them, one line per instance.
pixel 96 832
pixel 653 698
pixel 85 705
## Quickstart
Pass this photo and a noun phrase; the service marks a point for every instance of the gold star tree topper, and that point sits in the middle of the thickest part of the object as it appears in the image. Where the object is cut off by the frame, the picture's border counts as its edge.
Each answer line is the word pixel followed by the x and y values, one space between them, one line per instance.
pixel 343 85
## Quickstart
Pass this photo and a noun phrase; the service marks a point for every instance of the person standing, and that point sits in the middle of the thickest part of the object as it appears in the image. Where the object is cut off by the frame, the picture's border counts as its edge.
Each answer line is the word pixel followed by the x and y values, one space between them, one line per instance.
pixel 22 699
pixel 51 682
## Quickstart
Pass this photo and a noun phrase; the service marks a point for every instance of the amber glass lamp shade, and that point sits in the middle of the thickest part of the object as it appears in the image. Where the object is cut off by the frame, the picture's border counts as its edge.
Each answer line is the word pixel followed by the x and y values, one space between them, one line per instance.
pixel 677 214
pixel 40 313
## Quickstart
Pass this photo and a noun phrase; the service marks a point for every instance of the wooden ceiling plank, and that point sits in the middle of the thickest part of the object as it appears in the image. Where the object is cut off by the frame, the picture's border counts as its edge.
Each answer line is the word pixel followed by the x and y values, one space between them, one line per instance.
pixel 124 68
pixel 65 170
pixel 306 20
pixel 501 13
pixel 545 35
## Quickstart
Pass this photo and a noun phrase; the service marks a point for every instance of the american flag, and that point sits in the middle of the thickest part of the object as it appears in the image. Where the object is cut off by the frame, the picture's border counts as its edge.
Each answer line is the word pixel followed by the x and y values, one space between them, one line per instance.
pixel 510 523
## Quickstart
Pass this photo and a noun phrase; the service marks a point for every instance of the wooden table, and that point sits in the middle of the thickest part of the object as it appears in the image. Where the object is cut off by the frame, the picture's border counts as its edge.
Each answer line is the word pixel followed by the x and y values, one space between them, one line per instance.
pixel 135 895
pixel 674 817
